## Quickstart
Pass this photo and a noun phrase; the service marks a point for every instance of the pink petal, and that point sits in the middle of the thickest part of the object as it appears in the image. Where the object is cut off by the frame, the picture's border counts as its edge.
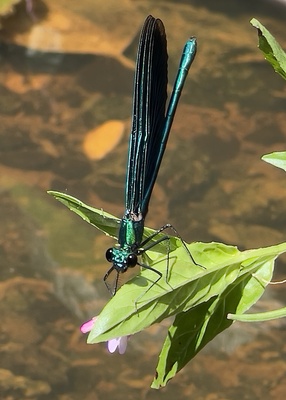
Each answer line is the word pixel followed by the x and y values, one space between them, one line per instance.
pixel 87 326
pixel 119 343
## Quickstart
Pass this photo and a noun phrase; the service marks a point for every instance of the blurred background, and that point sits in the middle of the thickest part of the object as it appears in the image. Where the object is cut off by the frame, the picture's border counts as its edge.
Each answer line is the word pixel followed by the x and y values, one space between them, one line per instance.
pixel 66 82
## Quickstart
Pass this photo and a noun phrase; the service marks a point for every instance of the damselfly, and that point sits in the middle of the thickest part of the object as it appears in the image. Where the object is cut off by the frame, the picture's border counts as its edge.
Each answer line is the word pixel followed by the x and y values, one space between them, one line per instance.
pixel 151 125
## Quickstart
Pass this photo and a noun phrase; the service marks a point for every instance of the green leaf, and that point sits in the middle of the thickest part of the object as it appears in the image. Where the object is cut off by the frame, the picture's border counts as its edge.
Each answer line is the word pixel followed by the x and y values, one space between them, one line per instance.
pixel 139 304
pixel 271 49
pixel 278 159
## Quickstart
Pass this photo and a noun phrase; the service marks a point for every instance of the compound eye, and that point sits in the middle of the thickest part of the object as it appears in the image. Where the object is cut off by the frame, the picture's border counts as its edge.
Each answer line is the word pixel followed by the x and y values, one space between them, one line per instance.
pixel 109 255
pixel 131 260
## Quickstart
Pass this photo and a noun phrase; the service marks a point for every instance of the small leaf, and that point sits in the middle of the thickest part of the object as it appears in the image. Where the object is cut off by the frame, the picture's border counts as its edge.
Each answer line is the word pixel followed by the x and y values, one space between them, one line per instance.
pixel 103 221
pixel 271 49
pixel 278 159
pixel 263 316
pixel 107 223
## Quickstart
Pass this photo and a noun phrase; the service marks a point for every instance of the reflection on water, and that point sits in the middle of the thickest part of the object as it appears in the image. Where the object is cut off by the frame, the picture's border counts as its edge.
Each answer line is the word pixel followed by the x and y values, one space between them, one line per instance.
pixel 62 77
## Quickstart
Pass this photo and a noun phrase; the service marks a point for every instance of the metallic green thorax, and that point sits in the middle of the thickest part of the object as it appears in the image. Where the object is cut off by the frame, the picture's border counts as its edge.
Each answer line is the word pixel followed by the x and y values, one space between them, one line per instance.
pixel 130 232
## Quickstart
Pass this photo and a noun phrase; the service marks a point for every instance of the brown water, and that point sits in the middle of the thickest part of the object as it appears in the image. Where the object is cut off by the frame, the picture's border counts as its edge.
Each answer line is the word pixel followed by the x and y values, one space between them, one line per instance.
pixel 64 72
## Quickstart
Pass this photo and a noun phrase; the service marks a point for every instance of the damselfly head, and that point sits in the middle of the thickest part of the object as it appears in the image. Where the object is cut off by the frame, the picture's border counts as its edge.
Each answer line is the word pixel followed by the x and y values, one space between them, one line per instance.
pixel 121 259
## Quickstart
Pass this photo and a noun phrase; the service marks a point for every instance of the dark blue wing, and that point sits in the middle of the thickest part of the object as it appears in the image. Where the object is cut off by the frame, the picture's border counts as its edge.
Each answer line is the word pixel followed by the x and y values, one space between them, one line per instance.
pixel 150 95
